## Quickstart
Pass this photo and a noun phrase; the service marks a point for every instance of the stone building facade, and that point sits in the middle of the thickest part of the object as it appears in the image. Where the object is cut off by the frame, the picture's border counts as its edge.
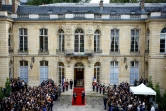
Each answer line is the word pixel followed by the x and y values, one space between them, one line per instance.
pixel 109 42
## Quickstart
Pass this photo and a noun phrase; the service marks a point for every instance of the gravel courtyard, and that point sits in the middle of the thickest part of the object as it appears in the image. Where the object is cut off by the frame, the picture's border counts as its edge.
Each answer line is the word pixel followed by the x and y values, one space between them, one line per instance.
pixel 93 103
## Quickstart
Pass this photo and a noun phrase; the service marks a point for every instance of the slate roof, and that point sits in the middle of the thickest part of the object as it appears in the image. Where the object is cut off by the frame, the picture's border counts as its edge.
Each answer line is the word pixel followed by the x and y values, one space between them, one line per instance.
pixel 63 8
pixel 7 8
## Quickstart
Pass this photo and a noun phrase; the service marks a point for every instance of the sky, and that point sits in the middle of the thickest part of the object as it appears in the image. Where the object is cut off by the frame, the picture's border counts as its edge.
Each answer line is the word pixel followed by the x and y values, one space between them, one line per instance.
pixel 97 1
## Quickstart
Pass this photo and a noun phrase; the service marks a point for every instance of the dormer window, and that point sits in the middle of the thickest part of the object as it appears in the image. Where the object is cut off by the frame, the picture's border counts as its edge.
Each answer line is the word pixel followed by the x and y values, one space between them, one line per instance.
pixel 113 13
pixel 49 11
pixel 132 12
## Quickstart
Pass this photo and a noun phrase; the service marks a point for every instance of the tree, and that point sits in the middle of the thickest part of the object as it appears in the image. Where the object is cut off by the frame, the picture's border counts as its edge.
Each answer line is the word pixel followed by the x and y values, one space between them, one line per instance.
pixel 40 2
pixel 164 102
pixel 158 95
pixel 1 95
pixel 150 84
pixel 8 87
pixel 136 1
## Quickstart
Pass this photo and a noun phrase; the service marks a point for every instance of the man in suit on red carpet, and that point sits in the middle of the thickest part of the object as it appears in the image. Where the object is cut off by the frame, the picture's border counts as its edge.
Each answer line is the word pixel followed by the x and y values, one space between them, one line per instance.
pixel 74 96
pixel 83 96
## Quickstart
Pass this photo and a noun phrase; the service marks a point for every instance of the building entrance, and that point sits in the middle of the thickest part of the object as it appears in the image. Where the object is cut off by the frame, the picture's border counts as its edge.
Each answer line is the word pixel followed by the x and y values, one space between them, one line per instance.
pixel 79 75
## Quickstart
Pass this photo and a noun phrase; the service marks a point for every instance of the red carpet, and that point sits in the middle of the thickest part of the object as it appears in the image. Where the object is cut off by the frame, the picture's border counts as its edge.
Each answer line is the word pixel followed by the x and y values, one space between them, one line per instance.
pixel 79 97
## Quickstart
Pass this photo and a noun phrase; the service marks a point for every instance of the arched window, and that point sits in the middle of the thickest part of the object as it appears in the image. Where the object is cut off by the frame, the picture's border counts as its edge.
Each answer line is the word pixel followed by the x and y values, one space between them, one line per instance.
pixel 134 71
pixel 61 72
pixel 43 70
pixel 43 37
pixel 97 41
pixel 163 41
pixel 97 71
pixel 23 36
pixel 114 72
pixel 79 40
pixel 134 40
pixel 61 40
pixel 115 40
pixel 24 70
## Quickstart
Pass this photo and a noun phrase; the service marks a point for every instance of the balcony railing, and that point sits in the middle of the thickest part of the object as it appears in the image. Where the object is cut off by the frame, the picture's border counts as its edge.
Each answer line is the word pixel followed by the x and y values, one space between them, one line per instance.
pixel 135 16
pixel 98 51
pixel 87 52
pixel 23 15
pixel 79 15
pixel 147 51
pixel 10 49
pixel 22 51
pixel 115 16
pixel 60 51
pixel 115 52
pixel 134 52
pixel 43 51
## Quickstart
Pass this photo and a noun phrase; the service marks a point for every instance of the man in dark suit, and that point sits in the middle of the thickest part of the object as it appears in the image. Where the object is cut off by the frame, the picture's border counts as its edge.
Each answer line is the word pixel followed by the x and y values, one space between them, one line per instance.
pixel 67 83
pixel 71 83
pixel 83 97
pixel 74 96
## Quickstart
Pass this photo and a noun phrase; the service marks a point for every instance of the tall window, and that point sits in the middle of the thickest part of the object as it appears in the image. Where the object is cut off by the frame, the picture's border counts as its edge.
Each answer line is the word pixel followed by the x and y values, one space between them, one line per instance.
pixel 9 38
pixel 23 44
pixel 114 71
pixel 24 70
pixel 163 41
pixel 114 40
pixel 134 40
pixel 97 71
pixel 134 71
pixel 43 40
pixel 79 40
pixel 43 70
pixel 147 39
pixel 97 41
pixel 61 72
pixel 61 40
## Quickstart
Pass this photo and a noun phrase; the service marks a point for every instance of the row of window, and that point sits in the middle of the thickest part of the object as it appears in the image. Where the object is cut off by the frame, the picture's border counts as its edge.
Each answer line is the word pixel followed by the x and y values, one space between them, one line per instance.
pixel 79 40
pixel 114 71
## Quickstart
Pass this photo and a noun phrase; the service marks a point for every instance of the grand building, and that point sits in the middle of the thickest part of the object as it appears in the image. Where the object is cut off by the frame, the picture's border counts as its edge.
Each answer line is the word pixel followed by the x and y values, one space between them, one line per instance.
pixel 81 41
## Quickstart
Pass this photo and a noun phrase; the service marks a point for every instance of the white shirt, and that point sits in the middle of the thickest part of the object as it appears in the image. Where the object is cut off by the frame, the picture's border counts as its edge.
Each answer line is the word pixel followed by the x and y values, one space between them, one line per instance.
pixel 152 108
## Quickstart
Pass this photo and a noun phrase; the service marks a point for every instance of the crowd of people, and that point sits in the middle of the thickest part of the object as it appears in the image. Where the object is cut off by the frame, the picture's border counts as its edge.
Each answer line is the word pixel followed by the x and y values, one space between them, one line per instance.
pixel 27 98
pixel 119 98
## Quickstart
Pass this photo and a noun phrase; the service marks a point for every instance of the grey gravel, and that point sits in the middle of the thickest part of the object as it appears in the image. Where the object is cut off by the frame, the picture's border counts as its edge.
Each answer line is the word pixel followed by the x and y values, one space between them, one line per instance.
pixel 93 103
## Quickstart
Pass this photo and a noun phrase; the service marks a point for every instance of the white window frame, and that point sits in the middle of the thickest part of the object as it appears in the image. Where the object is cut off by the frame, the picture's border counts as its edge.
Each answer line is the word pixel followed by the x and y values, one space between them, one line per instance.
pixel 61 72
pixel 135 72
pixel 163 36
pixel 25 73
pixel 136 40
pixel 44 36
pixel 115 36
pixel 97 69
pixel 79 39
pixel 23 36
pixel 114 66
pixel 97 41
pixel 45 72
pixel 61 40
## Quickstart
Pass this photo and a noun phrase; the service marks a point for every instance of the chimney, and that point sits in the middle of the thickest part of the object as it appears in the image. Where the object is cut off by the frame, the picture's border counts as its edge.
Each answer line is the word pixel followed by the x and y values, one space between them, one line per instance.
pixel 101 4
pixel 142 4
pixel 15 4
pixel 0 4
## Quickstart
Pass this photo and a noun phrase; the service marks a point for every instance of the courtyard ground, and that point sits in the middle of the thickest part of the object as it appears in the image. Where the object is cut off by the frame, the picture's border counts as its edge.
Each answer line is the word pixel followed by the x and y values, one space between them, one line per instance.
pixel 93 103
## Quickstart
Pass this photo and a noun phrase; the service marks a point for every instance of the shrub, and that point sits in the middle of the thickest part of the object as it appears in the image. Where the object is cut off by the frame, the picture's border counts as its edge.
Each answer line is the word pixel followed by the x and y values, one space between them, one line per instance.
pixel 150 84
pixel 1 94
pixel 158 95
pixel 8 88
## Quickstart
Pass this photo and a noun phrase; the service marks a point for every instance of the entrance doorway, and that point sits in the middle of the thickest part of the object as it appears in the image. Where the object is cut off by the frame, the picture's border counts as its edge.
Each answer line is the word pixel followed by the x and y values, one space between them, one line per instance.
pixel 79 75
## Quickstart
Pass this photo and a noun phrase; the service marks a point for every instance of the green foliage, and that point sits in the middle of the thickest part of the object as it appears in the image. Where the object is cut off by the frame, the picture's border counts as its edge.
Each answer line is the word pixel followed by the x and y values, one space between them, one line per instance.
pixel 158 95
pixel 40 2
pixel 150 84
pixel 1 94
pixel 8 88
pixel 136 1
pixel 163 105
